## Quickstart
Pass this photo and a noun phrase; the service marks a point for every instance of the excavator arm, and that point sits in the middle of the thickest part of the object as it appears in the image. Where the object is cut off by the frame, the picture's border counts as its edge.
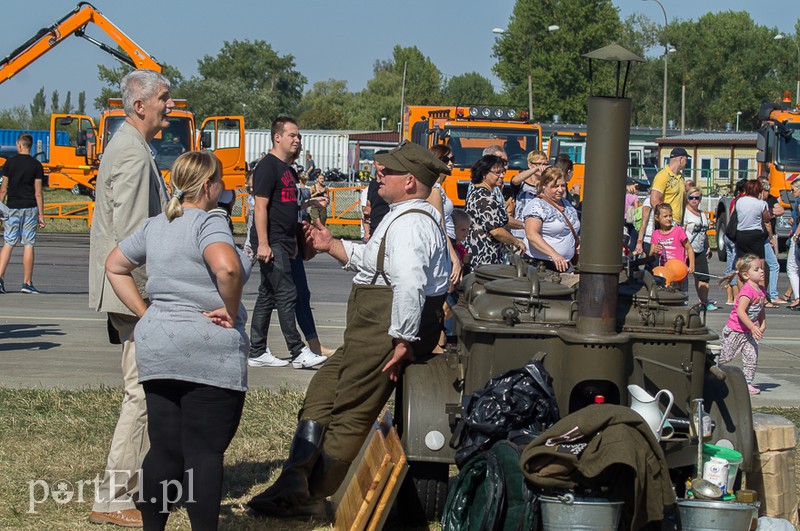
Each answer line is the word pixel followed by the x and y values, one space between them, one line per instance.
pixel 75 23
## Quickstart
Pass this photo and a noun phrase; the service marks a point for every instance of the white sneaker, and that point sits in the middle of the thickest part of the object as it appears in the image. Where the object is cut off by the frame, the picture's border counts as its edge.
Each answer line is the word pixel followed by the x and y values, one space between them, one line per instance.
pixel 267 360
pixel 307 359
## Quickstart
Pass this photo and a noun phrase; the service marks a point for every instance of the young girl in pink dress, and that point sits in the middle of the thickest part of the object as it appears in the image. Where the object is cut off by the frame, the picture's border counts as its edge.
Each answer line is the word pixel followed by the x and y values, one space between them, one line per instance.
pixel 747 322
pixel 670 241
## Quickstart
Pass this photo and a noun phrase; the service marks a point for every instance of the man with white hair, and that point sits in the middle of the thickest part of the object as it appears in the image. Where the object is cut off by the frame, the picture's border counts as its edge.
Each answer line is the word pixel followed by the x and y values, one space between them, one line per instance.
pixel 129 189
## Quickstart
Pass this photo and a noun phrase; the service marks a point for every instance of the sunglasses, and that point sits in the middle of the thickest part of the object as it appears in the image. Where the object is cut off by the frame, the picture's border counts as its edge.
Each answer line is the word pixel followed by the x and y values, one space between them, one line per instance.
pixel 695 197
pixel 447 159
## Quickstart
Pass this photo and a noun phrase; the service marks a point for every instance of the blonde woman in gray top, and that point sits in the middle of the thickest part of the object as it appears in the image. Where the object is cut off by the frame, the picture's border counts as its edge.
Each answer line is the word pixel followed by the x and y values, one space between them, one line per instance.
pixel 191 344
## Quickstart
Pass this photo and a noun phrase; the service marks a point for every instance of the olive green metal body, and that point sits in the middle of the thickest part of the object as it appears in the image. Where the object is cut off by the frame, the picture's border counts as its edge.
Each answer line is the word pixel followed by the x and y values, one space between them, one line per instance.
pixel 614 329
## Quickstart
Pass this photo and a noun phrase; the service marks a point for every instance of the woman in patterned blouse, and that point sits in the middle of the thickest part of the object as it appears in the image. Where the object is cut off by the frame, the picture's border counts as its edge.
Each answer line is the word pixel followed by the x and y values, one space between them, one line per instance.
pixel 488 236
pixel 552 226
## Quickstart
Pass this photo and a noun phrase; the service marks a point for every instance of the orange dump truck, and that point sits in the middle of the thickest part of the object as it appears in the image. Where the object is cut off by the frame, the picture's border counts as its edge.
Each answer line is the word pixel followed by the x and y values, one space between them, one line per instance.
pixel 468 131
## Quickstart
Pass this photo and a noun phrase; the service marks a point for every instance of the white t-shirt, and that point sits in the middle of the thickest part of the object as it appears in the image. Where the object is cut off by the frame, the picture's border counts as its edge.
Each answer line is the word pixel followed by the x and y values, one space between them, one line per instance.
pixel 748 210
pixel 555 230
pixel 697 238
pixel 525 195
pixel 647 224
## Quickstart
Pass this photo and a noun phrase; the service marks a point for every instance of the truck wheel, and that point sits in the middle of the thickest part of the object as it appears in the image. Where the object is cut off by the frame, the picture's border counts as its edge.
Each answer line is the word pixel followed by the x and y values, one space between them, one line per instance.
pixel 721 224
pixel 423 493
pixel 727 402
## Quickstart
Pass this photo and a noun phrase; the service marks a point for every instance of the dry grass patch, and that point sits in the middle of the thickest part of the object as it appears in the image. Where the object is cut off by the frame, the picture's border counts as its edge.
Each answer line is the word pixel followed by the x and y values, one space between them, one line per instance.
pixel 56 435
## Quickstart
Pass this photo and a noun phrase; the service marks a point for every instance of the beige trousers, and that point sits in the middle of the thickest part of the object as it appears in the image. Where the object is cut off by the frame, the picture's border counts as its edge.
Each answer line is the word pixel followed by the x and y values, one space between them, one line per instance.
pixel 120 484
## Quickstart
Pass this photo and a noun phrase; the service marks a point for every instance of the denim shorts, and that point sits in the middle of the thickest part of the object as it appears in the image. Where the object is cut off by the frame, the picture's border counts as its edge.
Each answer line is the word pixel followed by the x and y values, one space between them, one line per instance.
pixel 20 227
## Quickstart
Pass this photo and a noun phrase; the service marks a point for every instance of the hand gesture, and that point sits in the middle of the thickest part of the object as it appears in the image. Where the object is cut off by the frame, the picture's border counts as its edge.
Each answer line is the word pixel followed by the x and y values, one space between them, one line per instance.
pixel 318 235
pixel 321 202
pixel 221 317
pixel 561 263
pixel 264 252
pixel 403 354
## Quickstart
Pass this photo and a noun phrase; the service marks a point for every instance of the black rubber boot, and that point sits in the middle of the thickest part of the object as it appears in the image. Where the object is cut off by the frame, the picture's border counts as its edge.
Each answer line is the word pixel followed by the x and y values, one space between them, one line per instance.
pixel 327 476
pixel 289 495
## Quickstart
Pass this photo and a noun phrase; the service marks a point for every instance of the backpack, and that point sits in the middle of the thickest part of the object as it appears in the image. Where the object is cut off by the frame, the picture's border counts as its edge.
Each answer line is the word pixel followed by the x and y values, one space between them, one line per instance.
pixel 490 493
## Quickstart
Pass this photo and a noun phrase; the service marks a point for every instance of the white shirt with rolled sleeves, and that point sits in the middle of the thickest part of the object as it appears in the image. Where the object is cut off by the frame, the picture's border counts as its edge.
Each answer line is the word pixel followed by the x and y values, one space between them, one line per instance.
pixel 417 263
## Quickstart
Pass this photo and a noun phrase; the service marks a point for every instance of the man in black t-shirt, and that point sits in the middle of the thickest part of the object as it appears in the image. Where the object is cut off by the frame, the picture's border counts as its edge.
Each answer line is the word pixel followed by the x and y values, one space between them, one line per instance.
pixel 22 184
pixel 378 207
pixel 274 241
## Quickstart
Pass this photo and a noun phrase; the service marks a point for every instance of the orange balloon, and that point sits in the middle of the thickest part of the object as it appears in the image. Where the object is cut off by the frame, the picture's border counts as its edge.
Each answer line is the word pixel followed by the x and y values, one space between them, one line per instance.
pixel 664 273
pixel 678 269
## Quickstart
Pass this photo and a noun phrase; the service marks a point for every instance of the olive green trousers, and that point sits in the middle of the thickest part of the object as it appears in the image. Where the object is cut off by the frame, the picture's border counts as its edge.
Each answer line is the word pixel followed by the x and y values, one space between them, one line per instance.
pixel 349 391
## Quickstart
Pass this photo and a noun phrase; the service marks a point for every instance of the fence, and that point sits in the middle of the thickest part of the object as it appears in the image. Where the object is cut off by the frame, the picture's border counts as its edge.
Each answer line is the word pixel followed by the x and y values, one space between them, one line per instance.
pixel 343 208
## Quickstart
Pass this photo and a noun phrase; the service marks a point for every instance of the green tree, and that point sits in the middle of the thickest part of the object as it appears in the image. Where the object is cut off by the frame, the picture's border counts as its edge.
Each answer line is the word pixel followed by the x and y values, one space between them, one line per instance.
pixel 268 84
pixel 639 35
pixel 325 105
pixel 81 102
pixel 381 97
pixel 67 108
pixel 113 76
pixel 39 118
pixel 559 74
pixel 468 89
pixel 729 64
pixel 16 117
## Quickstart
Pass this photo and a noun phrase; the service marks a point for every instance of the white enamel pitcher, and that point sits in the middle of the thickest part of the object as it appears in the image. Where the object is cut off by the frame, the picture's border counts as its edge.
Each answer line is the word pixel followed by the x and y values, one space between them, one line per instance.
pixel 648 407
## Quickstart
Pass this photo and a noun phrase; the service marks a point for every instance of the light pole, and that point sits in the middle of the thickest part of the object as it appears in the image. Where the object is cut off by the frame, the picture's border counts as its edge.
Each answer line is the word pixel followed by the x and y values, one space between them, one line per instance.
pixel 738 114
pixel 551 28
pixel 666 53
pixel 781 36
pixel 383 122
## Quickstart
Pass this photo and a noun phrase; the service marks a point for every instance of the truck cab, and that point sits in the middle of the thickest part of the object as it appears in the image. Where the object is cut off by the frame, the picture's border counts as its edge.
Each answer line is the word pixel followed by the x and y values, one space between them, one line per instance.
pixel 778 157
pixel 77 145
pixel 468 131
pixel 574 145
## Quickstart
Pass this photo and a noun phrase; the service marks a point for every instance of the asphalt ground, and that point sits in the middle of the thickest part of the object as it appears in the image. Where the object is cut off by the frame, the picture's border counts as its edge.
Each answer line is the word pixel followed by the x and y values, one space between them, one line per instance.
pixel 55 340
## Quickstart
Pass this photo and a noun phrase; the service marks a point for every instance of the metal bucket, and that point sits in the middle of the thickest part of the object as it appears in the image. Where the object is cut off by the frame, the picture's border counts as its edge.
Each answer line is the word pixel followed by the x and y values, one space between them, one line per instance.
pixel 700 515
pixel 567 513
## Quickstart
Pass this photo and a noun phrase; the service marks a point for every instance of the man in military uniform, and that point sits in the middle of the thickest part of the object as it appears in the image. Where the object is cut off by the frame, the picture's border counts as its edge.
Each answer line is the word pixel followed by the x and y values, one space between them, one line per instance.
pixel 393 312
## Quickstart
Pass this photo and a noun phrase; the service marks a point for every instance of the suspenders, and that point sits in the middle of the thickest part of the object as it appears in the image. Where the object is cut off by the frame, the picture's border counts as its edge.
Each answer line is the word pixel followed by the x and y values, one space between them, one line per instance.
pixel 382 249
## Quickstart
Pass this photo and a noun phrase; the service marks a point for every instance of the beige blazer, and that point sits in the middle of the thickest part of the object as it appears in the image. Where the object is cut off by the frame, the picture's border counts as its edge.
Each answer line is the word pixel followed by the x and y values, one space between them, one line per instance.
pixel 129 189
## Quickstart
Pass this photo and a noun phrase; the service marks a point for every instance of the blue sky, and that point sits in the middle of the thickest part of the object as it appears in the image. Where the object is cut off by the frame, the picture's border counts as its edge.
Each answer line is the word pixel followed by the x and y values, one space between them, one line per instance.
pixel 338 39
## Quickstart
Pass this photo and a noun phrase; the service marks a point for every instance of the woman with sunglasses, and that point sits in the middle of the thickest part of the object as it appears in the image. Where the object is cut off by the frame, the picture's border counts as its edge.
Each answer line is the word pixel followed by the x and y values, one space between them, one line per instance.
pixel 488 235
pixel 696 225
pixel 444 205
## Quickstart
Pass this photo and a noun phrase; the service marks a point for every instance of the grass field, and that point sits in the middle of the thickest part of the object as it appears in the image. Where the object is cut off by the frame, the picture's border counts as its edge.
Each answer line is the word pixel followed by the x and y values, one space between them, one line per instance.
pixel 55 435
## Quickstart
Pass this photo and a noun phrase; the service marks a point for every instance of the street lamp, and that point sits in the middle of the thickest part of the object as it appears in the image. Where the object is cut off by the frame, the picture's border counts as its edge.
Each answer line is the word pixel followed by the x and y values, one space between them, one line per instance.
pixel 551 28
pixel 383 122
pixel 781 36
pixel 666 52
pixel 738 114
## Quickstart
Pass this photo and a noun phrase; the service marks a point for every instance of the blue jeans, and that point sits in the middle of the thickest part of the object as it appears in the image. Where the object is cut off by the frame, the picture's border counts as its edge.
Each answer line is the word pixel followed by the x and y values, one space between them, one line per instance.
pixel 774 270
pixel 730 265
pixel 276 292
pixel 305 319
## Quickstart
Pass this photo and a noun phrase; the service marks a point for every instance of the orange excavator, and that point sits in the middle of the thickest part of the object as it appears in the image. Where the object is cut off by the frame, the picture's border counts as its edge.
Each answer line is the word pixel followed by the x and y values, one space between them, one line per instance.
pixel 73 163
